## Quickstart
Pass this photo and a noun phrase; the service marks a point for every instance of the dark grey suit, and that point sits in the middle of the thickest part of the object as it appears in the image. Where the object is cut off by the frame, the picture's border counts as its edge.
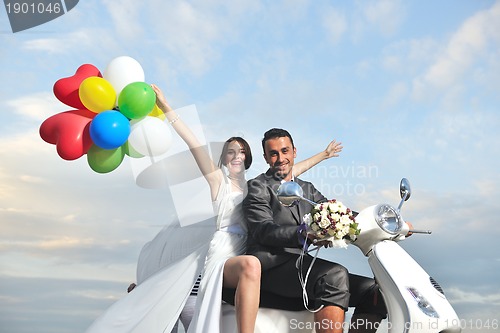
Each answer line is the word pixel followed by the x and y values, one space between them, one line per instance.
pixel 272 232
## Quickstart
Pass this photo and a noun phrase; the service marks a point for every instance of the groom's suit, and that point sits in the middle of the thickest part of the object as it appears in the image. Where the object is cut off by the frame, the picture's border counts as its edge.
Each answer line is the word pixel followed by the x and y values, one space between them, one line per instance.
pixel 272 227
pixel 274 240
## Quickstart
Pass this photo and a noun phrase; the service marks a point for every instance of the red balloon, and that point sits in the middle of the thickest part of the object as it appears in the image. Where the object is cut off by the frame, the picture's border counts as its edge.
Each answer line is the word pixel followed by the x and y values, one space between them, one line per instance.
pixel 69 131
pixel 66 89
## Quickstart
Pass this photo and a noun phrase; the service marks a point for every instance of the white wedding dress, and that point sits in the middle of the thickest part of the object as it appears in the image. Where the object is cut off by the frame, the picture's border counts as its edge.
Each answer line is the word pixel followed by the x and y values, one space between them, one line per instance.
pixel 169 266
pixel 229 241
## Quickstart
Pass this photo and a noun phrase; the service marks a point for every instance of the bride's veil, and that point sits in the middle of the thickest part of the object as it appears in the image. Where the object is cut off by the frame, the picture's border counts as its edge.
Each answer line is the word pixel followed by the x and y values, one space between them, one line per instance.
pixel 170 263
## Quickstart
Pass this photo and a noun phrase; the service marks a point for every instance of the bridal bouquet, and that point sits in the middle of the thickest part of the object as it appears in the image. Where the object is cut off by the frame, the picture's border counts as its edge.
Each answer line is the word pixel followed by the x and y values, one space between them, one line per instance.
pixel 330 221
pixel 333 221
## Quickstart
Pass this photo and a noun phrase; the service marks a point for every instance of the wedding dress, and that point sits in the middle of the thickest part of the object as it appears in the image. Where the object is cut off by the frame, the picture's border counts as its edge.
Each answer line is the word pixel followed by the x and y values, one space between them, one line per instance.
pixel 229 241
pixel 168 267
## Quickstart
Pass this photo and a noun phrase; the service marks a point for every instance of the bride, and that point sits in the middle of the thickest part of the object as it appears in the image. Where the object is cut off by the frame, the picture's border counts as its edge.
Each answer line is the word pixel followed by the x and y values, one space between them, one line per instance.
pixel 158 303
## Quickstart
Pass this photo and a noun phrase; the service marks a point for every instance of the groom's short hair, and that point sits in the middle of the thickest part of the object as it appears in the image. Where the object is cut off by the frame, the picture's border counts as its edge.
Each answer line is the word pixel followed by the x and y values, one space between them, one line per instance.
pixel 275 133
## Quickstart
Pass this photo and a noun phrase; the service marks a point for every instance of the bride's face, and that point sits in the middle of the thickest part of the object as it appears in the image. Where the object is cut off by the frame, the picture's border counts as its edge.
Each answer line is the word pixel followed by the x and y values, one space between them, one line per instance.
pixel 235 158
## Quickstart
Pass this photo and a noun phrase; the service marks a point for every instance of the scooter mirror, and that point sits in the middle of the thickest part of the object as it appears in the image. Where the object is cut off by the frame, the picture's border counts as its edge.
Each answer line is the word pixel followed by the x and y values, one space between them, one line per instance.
pixel 404 189
pixel 290 193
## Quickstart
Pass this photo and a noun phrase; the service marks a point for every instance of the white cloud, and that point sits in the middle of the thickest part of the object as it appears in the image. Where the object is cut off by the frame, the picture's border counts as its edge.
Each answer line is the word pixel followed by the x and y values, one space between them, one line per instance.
pixel 487 187
pixel 96 294
pixel 37 107
pixel 31 179
pixel 463 50
pixel 193 33
pixel 64 242
pixel 335 23
pixel 385 15
pixel 63 43
pixel 409 57
pixel 126 16
pixel 461 296
pixel 374 18
pixel 395 95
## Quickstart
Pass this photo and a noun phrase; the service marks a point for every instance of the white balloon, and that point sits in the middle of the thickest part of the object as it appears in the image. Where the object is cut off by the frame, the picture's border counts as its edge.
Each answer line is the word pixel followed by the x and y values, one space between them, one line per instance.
pixel 122 71
pixel 150 136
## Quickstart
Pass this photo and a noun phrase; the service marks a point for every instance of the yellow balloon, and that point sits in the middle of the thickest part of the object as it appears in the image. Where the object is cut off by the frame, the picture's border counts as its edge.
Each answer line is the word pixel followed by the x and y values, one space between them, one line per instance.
pixel 97 94
pixel 157 112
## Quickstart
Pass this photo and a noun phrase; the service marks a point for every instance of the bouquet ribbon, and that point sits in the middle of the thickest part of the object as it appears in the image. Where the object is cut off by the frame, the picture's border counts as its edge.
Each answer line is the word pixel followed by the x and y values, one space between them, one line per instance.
pixel 299 264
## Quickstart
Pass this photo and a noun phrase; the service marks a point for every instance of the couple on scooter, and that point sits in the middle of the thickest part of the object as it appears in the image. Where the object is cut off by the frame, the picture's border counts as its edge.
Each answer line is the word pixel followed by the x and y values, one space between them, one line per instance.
pixel 250 251
pixel 271 228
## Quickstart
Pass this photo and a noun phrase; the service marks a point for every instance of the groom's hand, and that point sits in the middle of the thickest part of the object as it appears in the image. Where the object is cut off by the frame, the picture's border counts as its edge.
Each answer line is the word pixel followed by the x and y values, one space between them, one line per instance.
pixel 312 239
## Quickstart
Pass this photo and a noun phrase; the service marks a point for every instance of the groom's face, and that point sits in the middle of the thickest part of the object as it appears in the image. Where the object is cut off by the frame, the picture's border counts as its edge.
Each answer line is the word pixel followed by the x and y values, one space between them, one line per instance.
pixel 280 154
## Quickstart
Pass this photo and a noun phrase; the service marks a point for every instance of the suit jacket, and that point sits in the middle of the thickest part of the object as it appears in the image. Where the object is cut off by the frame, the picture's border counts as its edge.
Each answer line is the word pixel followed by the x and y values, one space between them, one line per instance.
pixel 272 226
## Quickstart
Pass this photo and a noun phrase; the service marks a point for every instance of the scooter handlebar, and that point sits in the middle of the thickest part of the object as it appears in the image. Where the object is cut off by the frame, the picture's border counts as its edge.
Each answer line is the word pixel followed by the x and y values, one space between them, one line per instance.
pixel 417 231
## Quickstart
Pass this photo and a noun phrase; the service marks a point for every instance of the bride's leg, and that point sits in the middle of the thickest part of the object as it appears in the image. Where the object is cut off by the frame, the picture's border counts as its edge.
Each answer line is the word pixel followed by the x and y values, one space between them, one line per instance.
pixel 243 273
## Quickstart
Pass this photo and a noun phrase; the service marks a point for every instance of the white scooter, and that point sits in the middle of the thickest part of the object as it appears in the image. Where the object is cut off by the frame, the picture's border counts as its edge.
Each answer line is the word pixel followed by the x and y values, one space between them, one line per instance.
pixel 415 302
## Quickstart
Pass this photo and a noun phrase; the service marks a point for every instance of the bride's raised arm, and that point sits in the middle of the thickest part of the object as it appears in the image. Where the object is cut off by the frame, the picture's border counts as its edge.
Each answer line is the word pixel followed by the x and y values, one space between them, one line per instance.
pixel 208 168
pixel 331 150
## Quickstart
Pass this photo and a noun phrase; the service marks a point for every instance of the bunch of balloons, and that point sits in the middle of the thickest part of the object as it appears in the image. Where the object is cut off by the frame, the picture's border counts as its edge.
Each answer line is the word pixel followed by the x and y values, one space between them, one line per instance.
pixel 114 115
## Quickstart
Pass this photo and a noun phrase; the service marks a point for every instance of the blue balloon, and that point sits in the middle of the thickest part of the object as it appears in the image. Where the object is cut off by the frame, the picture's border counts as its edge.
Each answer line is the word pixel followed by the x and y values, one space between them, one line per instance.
pixel 109 129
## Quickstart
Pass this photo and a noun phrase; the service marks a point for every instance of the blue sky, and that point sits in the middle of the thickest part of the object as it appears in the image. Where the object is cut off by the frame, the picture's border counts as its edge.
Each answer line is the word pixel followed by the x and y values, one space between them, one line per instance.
pixel 411 88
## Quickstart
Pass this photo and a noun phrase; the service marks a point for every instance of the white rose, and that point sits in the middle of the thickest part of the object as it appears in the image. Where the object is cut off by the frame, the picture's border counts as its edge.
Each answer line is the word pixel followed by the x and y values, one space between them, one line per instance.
pixel 345 220
pixel 324 223
pixel 341 208
pixel 336 217
pixel 332 207
pixel 316 216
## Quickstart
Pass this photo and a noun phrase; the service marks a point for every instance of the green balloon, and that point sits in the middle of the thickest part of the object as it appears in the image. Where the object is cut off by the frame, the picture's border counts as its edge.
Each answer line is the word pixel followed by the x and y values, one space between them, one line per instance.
pixel 136 100
pixel 105 160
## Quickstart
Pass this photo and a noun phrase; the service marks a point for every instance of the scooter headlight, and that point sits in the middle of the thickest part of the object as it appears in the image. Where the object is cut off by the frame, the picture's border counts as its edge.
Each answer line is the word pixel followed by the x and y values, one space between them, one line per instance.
pixel 388 219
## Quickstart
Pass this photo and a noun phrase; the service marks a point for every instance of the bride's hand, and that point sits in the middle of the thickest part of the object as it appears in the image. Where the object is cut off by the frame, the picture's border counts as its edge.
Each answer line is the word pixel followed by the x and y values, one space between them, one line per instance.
pixel 160 99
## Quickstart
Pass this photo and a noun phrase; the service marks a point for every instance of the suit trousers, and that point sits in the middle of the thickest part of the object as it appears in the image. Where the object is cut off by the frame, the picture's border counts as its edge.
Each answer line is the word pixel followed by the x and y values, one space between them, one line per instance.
pixel 328 284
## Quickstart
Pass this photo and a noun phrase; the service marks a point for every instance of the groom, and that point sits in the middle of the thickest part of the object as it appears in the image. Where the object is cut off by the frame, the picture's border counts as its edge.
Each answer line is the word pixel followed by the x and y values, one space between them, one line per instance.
pixel 275 238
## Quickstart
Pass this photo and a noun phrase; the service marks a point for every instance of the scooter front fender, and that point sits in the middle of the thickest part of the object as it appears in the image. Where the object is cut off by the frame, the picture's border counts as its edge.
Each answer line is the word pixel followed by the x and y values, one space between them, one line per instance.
pixel 414 301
